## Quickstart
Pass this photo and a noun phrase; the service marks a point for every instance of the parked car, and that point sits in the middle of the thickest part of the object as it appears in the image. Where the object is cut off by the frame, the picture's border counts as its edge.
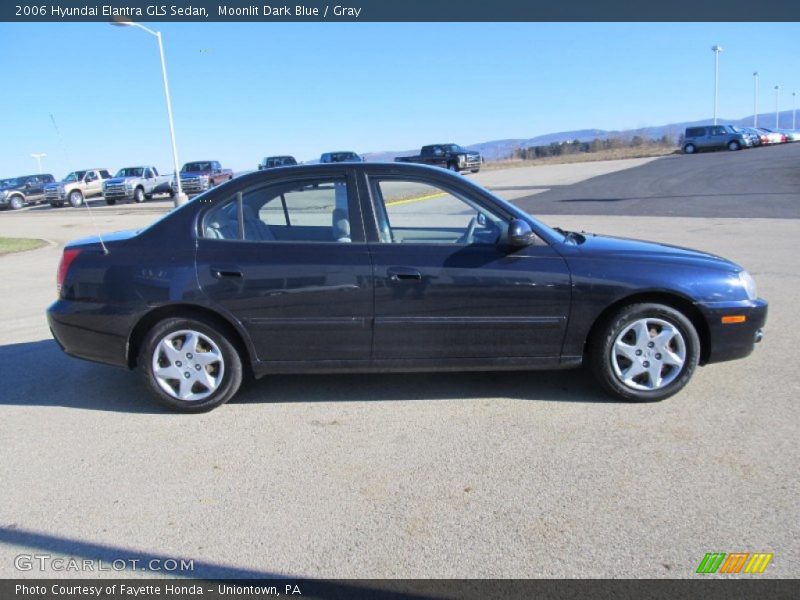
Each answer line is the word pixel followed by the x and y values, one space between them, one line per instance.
pixel 772 136
pixel 322 269
pixel 271 162
pixel 713 137
pixel 28 189
pixel 197 177
pixel 339 157
pixel 76 187
pixel 792 135
pixel 137 184
pixel 751 134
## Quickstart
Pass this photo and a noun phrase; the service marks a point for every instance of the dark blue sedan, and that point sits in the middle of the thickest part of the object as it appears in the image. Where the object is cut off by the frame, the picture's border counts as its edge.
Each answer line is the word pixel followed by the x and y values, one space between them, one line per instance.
pixel 390 267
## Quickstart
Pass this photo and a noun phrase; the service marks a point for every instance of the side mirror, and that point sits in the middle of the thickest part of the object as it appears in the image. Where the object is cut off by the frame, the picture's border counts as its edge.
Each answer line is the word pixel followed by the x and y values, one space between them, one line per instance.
pixel 520 234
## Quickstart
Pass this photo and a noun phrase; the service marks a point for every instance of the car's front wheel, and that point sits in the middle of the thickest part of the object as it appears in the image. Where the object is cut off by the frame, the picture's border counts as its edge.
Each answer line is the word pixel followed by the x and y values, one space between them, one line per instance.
pixel 138 195
pixel 190 365
pixel 645 352
pixel 734 145
pixel 16 202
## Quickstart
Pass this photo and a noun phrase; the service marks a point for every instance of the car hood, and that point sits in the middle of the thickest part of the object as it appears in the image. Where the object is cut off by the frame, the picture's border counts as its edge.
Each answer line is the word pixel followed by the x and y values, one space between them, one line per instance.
pixel 602 246
pixel 121 179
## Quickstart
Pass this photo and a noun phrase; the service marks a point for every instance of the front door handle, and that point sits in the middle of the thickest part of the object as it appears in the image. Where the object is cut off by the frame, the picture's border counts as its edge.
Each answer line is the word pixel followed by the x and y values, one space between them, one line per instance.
pixel 226 272
pixel 403 274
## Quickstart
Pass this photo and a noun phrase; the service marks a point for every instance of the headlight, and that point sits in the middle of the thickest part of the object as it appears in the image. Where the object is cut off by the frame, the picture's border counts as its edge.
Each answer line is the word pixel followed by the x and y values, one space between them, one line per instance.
pixel 3 193
pixel 749 284
pixel 462 158
pixel 128 185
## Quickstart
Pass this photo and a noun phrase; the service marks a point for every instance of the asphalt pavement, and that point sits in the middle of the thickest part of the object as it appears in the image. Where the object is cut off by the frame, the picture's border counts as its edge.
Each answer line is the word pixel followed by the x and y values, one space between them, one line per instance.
pixel 759 182
pixel 527 474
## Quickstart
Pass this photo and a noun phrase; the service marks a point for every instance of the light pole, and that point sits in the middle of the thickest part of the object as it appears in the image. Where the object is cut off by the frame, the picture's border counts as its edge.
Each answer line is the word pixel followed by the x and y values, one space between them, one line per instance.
pixel 180 197
pixel 793 111
pixel 777 89
pixel 755 99
pixel 39 158
pixel 716 50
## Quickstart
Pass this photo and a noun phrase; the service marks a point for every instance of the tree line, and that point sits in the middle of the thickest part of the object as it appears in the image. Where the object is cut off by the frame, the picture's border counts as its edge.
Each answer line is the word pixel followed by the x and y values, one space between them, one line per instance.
pixel 596 145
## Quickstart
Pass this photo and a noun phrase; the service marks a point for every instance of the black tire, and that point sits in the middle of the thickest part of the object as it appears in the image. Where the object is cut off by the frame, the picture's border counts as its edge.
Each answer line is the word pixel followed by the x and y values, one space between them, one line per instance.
pixel 16 202
pixel 231 364
pixel 111 201
pixel 453 167
pixel 689 149
pixel 138 195
pixel 474 170
pixel 57 203
pixel 602 359
pixel 76 198
pixel 733 146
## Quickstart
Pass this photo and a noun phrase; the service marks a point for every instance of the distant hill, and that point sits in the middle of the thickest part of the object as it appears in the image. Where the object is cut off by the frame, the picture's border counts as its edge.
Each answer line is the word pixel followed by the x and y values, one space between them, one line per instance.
pixel 501 149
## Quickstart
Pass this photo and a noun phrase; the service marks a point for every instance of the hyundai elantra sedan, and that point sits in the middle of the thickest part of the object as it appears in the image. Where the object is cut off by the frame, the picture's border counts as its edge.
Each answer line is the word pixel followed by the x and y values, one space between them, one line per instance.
pixel 390 267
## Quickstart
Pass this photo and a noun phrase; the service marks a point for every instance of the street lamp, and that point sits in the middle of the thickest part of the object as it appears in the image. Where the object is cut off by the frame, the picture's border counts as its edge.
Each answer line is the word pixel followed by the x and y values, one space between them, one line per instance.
pixel 180 197
pixel 777 89
pixel 755 99
pixel 793 112
pixel 716 50
pixel 39 158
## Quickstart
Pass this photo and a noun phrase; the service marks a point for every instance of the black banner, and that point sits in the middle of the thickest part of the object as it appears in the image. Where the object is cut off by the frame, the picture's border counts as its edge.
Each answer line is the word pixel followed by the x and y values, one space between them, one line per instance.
pixel 420 589
pixel 399 10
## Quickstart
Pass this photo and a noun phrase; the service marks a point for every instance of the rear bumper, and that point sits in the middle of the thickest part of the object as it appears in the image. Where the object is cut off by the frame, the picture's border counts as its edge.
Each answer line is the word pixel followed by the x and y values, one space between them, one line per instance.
pixel 729 341
pixel 72 325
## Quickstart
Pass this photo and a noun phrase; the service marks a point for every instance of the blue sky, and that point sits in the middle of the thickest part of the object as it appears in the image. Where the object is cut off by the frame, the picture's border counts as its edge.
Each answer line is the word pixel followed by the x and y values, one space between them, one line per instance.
pixel 244 91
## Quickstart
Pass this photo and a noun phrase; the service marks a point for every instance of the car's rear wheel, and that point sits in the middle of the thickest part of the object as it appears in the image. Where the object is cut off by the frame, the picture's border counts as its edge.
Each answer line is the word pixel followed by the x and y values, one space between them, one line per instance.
pixel 190 365
pixel 689 149
pixel 734 145
pixel 75 198
pixel 645 352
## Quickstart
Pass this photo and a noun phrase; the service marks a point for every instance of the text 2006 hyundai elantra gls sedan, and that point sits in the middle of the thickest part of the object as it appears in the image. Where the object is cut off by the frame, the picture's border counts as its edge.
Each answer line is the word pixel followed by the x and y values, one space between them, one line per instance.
pixel 390 267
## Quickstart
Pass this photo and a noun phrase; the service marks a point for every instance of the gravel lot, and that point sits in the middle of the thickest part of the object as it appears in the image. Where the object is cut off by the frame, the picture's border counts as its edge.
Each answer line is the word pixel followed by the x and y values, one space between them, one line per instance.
pixel 430 475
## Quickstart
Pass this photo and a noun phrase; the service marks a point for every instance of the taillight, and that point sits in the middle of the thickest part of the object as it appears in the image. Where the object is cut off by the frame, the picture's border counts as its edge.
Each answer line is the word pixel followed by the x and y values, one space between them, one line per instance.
pixel 63 267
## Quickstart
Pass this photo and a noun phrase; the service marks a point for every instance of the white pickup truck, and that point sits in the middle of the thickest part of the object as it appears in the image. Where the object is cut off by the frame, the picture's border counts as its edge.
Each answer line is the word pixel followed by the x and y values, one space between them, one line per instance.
pixel 137 184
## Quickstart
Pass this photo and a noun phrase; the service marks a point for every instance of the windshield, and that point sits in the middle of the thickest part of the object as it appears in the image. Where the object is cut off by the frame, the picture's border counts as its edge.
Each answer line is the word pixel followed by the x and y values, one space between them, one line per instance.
pixel 7 183
pixel 74 176
pixel 196 167
pixel 130 172
pixel 453 148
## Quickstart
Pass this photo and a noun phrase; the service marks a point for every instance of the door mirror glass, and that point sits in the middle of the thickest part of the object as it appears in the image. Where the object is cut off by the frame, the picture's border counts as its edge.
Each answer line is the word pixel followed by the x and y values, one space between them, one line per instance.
pixel 520 233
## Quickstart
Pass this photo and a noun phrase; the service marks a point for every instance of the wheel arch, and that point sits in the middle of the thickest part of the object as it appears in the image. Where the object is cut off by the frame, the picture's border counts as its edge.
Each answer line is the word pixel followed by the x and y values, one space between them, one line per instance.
pixel 671 299
pixel 149 320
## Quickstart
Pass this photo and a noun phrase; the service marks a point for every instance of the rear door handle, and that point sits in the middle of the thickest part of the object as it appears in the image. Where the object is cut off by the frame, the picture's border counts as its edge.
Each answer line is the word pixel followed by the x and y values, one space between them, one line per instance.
pixel 403 274
pixel 224 272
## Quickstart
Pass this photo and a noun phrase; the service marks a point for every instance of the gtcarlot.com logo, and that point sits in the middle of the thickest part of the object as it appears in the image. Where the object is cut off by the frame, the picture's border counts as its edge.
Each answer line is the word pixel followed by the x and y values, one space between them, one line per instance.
pixel 48 562
pixel 734 563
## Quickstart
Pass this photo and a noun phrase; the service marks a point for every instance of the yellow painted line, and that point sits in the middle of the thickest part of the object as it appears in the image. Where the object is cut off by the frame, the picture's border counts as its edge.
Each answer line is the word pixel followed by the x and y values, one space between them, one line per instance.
pixel 416 199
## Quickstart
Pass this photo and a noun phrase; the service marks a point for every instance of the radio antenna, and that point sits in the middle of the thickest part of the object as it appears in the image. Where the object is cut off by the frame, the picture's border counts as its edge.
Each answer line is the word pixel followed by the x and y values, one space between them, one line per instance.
pixel 85 201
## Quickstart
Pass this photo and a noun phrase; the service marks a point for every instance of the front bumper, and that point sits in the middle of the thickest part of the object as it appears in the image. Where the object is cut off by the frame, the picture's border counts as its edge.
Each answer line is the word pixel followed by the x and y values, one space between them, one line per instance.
pixel 729 341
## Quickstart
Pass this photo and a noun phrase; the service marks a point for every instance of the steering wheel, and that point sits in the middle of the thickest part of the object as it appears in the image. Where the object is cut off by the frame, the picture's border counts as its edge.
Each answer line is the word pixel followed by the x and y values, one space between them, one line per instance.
pixel 467 237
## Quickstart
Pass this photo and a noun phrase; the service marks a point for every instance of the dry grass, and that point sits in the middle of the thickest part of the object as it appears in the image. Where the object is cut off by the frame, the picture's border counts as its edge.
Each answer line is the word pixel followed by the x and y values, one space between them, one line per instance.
pixel 9 245
pixel 611 154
